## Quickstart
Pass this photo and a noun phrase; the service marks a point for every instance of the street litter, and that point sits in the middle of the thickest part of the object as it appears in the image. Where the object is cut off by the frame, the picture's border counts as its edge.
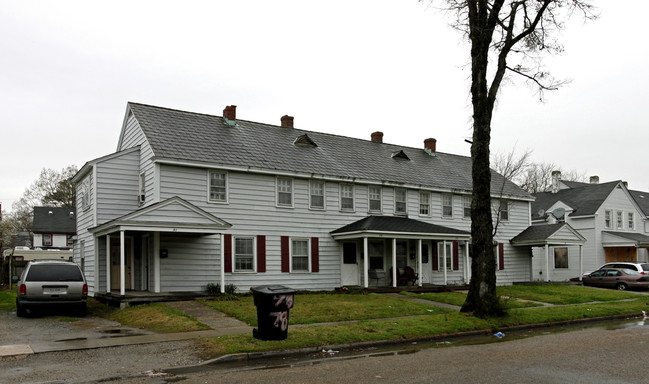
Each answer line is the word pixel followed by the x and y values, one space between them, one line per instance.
pixel 330 352
pixel 499 335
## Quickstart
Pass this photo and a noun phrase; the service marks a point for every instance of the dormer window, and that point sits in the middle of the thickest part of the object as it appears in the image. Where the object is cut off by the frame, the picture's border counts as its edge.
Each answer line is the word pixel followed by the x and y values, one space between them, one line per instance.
pixel 305 141
pixel 400 155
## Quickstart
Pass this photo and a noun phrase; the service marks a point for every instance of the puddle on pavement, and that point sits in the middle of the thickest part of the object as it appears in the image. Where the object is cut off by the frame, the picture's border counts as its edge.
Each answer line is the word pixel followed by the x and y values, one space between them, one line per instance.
pixel 106 334
pixel 403 349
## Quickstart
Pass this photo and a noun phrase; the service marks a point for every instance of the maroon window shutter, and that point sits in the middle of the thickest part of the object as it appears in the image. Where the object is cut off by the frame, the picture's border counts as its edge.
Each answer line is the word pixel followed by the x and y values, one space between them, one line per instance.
pixel 261 253
pixel 315 255
pixel 456 256
pixel 501 256
pixel 285 255
pixel 227 250
pixel 435 257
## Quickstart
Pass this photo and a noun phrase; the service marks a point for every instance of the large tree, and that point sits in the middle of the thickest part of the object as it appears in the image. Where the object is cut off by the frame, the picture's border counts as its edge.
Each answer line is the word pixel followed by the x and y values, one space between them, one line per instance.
pixel 502 30
pixel 52 188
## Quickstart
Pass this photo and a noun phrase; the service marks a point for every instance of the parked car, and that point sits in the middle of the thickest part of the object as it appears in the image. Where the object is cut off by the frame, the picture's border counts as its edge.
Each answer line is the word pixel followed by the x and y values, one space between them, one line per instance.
pixel 51 284
pixel 619 278
pixel 643 268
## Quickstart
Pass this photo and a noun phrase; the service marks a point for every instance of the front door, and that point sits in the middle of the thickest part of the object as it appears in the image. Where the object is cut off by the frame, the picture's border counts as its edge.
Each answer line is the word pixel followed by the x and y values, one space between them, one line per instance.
pixel 350 271
pixel 114 262
pixel 426 268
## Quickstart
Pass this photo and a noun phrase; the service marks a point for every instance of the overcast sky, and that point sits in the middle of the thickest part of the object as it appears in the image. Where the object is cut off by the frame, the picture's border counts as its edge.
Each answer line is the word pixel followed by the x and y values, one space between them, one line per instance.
pixel 68 68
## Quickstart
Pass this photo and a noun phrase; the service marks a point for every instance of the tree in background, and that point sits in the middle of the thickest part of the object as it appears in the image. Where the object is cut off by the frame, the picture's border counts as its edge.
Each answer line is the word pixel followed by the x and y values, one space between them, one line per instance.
pixel 531 176
pixel 501 30
pixel 52 188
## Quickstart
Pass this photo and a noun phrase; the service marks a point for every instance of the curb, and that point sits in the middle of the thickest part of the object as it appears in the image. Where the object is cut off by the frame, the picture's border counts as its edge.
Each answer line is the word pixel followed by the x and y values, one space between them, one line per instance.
pixel 239 357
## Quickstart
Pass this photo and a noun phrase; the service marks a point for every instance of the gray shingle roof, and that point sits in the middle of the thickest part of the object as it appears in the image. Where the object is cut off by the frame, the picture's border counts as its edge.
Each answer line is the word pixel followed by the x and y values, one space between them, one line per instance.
pixel 637 237
pixel 54 220
pixel 584 200
pixel 180 135
pixel 396 224
pixel 642 199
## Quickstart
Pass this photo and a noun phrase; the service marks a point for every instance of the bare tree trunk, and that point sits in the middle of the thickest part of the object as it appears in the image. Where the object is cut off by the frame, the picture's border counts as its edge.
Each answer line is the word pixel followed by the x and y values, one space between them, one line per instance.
pixel 482 299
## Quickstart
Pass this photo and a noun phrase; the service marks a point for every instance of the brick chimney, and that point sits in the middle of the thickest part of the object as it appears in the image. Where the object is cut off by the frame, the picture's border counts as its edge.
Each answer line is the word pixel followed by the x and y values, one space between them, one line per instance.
pixel 594 179
pixel 230 112
pixel 430 144
pixel 377 137
pixel 556 177
pixel 287 121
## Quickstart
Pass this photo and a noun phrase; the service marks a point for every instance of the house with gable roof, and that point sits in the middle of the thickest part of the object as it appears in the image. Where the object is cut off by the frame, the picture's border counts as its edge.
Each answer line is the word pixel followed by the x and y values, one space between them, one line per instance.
pixel 188 199
pixel 611 218
pixel 54 227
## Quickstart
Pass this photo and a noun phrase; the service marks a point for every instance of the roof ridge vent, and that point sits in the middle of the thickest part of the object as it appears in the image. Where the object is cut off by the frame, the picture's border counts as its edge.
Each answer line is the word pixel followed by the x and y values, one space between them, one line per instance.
pixel 304 141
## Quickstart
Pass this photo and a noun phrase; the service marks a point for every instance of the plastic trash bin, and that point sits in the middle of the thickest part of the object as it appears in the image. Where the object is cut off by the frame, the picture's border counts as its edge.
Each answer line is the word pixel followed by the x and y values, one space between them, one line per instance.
pixel 273 303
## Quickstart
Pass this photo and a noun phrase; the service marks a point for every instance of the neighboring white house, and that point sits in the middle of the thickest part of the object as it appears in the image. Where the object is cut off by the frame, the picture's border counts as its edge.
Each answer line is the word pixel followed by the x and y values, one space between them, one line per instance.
pixel 54 227
pixel 190 199
pixel 612 220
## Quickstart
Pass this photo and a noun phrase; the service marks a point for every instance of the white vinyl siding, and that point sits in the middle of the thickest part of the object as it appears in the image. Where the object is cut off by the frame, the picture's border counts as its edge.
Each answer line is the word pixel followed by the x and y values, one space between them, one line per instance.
pixel 218 189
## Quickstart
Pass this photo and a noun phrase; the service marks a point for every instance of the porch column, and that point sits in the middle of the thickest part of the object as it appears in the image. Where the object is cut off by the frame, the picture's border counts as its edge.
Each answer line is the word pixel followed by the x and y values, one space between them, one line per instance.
pixel 581 261
pixel 444 263
pixel 394 263
pixel 156 258
pixel 365 263
pixel 122 266
pixel 419 263
pixel 107 263
pixel 547 263
pixel 222 263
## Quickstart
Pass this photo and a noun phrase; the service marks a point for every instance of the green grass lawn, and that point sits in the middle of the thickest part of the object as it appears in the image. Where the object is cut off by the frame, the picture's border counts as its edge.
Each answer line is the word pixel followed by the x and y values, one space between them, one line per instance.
pixel 562 294
pixel 325 307
pixel 457 298
pixel 7 300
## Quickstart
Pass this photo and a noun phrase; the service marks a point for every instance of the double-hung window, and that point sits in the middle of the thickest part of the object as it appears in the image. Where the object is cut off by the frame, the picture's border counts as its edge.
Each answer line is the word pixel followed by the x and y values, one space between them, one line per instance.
pixel 630 222
pixel 466 201
pixel 284 192
pixel 449 255
pixel 620 219
pixel 218 186
pixel 504 210
pixel 424 203
pixel 244 254
pixel 400 204
pixel 374 192
pixel 142 195
pixel 47 239
pixel 346 197
pixel 447 205
pixel 316 194
pixel 607 219
pixel 300 255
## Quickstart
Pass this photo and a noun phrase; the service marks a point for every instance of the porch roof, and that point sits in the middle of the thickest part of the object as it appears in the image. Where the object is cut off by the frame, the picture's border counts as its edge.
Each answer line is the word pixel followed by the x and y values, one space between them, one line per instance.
pixel 171 215
pixel 397 227
pixel 548 234
pixel 623 239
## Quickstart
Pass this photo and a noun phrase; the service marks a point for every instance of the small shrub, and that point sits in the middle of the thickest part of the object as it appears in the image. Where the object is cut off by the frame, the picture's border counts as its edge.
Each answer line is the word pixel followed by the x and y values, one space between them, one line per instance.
pixel 214 289
pixel 230 289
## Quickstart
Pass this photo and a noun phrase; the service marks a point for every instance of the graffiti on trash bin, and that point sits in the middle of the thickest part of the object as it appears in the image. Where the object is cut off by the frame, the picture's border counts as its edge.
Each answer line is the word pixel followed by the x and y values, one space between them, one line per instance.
pixel 287 299
pixel 281 320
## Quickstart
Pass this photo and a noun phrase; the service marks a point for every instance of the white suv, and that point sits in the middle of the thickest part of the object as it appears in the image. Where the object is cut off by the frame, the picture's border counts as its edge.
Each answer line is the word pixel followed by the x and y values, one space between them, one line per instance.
pixel 51 284
pixel 643 268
